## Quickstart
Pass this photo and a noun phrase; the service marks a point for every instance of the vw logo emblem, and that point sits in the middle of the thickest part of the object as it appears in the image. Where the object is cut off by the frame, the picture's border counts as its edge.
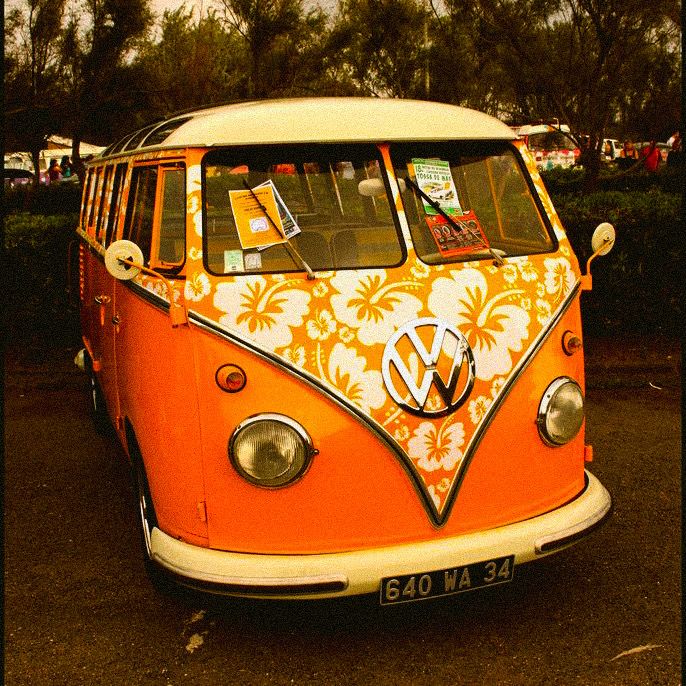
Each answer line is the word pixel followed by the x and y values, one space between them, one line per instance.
pixel 423 354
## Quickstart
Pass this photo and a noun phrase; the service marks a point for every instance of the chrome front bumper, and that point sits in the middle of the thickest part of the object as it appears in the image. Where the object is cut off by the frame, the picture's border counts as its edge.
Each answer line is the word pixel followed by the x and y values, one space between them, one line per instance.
pixel 361 571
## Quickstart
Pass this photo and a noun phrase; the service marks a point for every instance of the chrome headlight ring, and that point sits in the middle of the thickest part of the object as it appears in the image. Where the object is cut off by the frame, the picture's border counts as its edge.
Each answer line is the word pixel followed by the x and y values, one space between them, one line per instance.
pixel 560 412
pixel 271 450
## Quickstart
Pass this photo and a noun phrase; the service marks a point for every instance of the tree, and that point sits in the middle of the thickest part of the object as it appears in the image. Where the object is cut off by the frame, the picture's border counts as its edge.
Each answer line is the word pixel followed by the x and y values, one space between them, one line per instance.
pixel 297 63
pixel 32 75
pixel 193 63
pixel 567 59
pixel 461 72
pixel 650 104
pixel 383 46
pixel 95 47
pixel 270 30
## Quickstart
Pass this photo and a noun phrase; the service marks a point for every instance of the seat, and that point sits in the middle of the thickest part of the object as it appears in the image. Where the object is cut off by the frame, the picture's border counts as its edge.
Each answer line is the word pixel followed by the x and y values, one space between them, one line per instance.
pixel 345 249
pixel 314 249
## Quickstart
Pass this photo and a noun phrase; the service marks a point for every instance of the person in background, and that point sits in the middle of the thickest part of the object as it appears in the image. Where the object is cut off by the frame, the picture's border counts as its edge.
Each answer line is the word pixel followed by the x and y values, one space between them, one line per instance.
pixel 674 141
pixel 54 171
pixel 627 155
pixel 607 151
pixel 651 156
pixel 628 151
pixel 65 165
pixel 674 154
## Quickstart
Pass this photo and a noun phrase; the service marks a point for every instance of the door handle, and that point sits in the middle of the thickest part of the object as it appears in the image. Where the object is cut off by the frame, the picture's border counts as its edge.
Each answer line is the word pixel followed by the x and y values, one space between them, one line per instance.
pixel 102 299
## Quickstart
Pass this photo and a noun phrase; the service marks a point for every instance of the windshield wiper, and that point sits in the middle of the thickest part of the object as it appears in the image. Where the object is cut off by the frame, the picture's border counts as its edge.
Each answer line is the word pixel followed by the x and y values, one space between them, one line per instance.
pixel 297 257
pixel 456 224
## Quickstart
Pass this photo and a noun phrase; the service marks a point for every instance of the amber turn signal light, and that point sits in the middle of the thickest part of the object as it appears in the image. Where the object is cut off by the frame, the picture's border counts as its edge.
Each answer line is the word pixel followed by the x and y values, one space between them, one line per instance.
pixel 571 343
pixel 230 378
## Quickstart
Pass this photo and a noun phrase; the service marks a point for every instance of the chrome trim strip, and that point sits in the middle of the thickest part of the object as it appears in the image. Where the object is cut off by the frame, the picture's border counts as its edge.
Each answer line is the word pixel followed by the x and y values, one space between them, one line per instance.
pixel 256 586
pixel 154 299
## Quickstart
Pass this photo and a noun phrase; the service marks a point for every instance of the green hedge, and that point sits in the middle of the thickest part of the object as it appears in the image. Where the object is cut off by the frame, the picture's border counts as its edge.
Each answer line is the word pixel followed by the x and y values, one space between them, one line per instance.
pixel 56 198
pixel 37 303
pixel 571 180
pixel 636 288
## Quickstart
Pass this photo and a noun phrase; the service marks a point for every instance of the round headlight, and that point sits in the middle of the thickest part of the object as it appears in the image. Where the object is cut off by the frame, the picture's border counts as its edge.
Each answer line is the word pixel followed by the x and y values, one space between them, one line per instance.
pixel 561 412
pixel 270 450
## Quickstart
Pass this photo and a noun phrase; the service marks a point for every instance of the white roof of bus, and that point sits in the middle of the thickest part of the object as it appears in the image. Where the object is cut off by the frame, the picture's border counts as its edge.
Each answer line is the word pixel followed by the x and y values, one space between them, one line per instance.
pixel 307 120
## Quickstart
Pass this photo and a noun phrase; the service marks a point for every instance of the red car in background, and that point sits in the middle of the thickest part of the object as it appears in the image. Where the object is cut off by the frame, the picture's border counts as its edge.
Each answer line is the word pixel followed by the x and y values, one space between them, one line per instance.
pixel 550 144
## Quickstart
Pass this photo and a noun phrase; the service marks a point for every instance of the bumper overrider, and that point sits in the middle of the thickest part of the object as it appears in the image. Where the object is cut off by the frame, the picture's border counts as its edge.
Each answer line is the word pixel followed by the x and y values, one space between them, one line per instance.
pixel 361 571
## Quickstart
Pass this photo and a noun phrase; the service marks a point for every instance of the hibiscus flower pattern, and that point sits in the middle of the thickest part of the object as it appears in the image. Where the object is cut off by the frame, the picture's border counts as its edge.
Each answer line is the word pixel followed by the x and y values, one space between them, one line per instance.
pixel 494 326
pixel 322 326
pixel 197 287
pixel 335 328
pixel 346 371
pixel 436 447
pixel 373 306
pixel 263 312
pixel 559 277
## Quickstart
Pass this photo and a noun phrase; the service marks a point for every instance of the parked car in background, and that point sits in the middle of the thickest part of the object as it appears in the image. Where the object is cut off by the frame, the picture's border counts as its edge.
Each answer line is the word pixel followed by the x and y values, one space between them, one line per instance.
pixel 550 144
pixel 610 150
pixel 13 176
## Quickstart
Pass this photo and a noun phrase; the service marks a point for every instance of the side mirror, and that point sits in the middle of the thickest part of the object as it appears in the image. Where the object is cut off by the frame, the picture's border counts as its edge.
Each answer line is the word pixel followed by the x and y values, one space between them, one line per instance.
pixel 602 242
pixel 124 261
pixel 603 239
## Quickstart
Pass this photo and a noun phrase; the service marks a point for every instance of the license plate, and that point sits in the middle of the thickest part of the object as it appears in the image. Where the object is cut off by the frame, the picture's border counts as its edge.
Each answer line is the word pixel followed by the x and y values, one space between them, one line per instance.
pixel 409 587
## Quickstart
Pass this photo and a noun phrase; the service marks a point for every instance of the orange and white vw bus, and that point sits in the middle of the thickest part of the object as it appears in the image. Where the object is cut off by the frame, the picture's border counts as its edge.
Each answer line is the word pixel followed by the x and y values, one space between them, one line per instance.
pixel 340 341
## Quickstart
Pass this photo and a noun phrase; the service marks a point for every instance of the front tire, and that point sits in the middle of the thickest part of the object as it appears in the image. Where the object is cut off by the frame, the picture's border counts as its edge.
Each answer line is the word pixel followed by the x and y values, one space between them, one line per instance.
pixel 99 412
pixel 145 514
pixel 101 419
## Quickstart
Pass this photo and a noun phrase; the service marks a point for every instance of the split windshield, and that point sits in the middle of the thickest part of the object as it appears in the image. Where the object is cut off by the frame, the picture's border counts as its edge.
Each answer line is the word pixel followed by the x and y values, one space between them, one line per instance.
pixel 275 208
pixel 256 198
pixel 482 188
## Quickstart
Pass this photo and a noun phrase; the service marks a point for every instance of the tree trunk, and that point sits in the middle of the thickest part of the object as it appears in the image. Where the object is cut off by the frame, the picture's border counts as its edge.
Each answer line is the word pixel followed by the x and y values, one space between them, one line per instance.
pixel 76 161
pixel 592 170
pixel 35 158
pixel 592 162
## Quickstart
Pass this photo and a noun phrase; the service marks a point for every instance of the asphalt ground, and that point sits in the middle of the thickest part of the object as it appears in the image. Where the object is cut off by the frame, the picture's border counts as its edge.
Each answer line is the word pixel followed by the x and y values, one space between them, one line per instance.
pixel 78 608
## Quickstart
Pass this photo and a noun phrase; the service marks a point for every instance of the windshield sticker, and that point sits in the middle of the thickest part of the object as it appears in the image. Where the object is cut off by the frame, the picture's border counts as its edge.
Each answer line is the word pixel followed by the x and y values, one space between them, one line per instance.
pixel 233 261
pixel 253 261
pixel 450 240
pixel 257 218
pixel 290 226
pixel 436 180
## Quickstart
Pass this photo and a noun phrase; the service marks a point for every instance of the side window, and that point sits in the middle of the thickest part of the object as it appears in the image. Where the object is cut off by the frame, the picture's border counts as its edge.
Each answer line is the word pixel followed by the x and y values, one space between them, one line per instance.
pixel 102 204
pixel 140 211
pixel 115 203
pixel 172 242
pixel 85 201
pixel 92 201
